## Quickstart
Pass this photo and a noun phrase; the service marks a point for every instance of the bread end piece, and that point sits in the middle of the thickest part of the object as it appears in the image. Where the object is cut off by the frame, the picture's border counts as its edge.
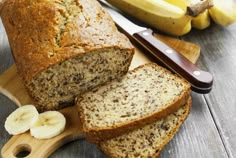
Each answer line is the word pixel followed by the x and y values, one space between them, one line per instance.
pixel 144 142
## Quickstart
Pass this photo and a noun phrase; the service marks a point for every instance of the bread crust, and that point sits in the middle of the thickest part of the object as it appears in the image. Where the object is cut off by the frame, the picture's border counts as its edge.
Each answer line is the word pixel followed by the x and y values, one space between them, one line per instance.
pixel 1 5
pixel 176 129
pixel 96 135
pixel 43 33
pixel 166 140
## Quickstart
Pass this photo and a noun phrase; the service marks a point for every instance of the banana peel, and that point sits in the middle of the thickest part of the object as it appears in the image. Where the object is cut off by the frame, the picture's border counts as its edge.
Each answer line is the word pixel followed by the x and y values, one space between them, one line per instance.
pixel 177 17
pixel 199 10
pixel 196 7
pixel 223 12
pixel 158 14
pixel 202 21
pixel 220 11
pixel 179 3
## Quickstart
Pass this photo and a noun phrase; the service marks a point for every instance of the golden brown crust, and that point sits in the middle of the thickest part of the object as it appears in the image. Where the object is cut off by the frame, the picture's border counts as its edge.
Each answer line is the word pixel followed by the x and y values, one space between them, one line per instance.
pixel 167 139
pixel 42 33
pixel 1 5
pixel 172 134
pixel 100 134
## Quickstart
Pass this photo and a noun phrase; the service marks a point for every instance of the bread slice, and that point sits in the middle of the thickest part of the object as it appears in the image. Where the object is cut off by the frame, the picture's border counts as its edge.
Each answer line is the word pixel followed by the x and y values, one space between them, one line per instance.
pixel 149 140
pixel 63 48
pixel 142 96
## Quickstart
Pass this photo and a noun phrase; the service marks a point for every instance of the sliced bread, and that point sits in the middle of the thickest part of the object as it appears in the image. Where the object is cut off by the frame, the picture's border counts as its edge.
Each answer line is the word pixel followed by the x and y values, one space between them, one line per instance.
pixel 142 96
pixel 147 141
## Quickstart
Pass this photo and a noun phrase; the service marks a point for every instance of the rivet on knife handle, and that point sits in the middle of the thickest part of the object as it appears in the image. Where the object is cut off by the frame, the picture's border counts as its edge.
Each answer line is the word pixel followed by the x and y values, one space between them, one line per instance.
pixel 200 80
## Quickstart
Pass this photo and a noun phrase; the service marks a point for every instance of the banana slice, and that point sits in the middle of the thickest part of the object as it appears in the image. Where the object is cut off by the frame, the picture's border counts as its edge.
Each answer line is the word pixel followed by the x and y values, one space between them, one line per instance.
pixel 49 124
pixel 21 119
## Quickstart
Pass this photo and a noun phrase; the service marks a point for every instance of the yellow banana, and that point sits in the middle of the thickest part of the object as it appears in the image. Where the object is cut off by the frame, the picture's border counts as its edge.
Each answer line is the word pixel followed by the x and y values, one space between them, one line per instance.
pixel 202 21
pixel 173 16
pixel 179 3
pixel 158 14
pixel 223 12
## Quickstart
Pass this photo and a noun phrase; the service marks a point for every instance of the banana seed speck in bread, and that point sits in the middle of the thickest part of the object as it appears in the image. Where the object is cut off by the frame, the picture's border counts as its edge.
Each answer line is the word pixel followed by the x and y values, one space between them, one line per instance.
pixel 142 96
pixel 148 141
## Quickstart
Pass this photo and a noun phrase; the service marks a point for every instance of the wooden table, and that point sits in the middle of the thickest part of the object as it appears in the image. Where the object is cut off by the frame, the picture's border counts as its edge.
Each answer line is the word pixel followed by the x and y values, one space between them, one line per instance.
pixel 210 130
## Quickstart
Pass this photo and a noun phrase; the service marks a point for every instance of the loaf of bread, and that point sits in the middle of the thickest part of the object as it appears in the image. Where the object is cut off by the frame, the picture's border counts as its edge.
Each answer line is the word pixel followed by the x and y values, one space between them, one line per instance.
pixel 1 4
pixel 63 48
pixel 147 141
pixel 142 96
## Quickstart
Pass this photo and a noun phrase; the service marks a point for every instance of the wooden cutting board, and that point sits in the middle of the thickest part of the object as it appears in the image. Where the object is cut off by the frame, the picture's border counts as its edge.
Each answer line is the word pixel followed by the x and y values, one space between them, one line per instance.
pixel 11 86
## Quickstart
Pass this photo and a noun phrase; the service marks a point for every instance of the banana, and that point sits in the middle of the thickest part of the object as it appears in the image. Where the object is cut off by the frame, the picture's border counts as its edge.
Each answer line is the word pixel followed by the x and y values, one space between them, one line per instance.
pixel 49 124
pixel 200 9
pixel 179 3
pixel 42 126
pixel 159 14
pixel 21 119
pixel 223 12
pixel 202 21
pixel 177 17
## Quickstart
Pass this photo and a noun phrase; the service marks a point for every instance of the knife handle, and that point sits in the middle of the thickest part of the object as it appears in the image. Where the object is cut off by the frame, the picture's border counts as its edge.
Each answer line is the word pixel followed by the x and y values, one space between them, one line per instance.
pixel 200 80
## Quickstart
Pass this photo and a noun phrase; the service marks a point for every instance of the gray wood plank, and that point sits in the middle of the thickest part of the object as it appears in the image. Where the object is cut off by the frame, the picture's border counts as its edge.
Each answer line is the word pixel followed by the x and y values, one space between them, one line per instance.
pixel 78 149
pixel 218 56
pixel 6 107
pixel 198 137
pixel 6 59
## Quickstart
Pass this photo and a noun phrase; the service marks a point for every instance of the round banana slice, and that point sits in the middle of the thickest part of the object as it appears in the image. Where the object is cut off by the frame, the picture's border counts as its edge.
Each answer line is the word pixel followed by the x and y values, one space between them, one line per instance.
pixel 20 120
pixel 49 124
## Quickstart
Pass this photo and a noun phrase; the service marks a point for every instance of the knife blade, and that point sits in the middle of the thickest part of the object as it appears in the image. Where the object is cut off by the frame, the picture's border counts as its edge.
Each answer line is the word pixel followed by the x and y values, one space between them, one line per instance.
pixel 201 81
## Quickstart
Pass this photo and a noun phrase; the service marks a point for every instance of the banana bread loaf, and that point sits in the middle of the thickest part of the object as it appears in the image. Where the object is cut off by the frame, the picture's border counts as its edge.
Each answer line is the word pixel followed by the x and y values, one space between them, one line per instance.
pixel 148 141
pixel 142 96
pixel 63 48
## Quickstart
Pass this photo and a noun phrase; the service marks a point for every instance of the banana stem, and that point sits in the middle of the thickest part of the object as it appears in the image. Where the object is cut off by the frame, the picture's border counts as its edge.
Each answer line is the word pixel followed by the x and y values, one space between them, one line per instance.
pixel 197 8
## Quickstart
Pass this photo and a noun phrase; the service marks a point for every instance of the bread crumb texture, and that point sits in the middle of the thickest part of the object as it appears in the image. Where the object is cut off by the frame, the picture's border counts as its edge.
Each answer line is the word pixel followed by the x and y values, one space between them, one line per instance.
pixel 61 46
pixel 60 84
pixel 147 141
pixel 140 93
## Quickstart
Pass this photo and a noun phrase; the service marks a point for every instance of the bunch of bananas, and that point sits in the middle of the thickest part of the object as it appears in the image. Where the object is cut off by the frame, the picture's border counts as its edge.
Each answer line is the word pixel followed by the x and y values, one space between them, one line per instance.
pixel 177 17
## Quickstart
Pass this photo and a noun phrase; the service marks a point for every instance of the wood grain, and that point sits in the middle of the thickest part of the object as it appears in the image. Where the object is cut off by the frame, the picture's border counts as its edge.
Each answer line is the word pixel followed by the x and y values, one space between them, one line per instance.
pixel 198 137
pixel 43 148
pixel 219 56
pixel 6 59
pixel 12 86
pixel 190 50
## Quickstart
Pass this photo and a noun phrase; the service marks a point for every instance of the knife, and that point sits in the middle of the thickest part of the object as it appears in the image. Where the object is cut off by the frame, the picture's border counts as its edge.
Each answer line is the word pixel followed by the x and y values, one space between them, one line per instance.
pixel 201 81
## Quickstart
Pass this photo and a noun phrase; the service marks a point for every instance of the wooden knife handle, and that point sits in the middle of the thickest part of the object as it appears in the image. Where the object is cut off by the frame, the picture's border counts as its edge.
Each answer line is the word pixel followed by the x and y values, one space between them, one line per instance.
pixel 200 80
